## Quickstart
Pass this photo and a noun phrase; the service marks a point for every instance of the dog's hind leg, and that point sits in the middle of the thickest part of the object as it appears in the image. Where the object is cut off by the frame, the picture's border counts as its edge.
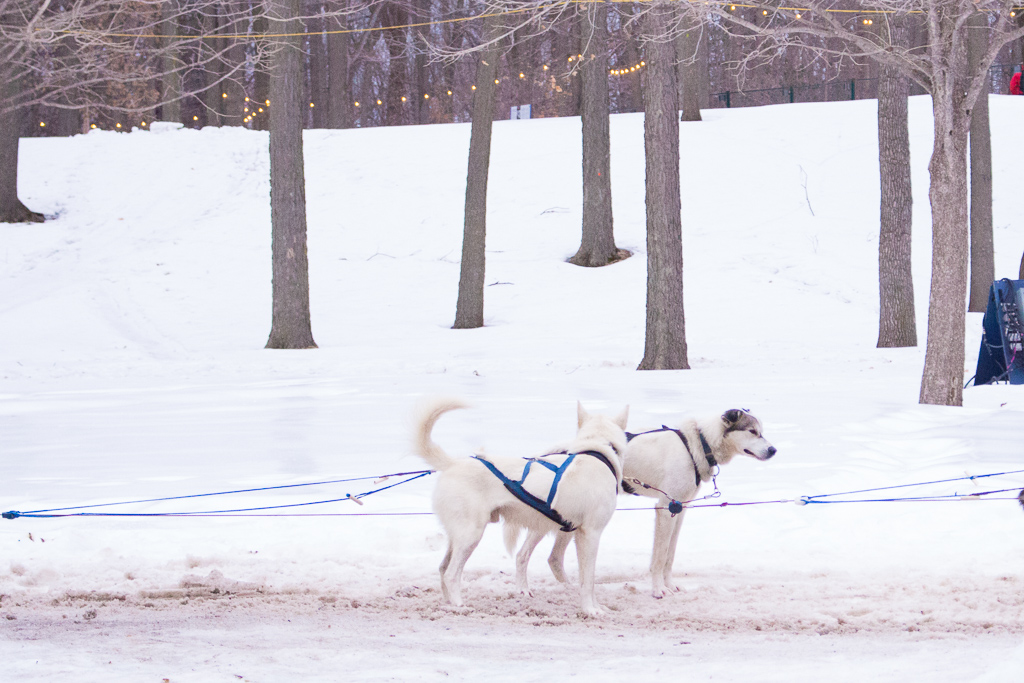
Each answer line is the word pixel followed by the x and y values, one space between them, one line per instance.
pixel 523 560
pixel 663 524
pixel 677 524
pixel 586 552
pixel 556 560
pixel 443 568
pixel 461 547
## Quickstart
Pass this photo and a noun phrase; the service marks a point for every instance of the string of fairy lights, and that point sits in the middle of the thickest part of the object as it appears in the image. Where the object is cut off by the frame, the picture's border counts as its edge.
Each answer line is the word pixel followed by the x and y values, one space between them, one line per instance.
pixel 252 108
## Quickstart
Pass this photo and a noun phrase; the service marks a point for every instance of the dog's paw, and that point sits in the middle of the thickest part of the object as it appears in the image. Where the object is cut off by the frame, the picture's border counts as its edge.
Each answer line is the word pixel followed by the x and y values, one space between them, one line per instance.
pixel 593 612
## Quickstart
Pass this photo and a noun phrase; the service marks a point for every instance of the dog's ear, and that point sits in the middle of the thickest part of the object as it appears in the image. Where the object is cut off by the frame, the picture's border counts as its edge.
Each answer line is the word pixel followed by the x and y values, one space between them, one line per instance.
pixel 732 416
pixel 581 415
pixel 622 418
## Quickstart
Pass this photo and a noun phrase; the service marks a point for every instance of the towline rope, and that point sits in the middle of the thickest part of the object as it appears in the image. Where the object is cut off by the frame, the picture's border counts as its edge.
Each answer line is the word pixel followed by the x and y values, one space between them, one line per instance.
pixel 417 474
pixel 54 512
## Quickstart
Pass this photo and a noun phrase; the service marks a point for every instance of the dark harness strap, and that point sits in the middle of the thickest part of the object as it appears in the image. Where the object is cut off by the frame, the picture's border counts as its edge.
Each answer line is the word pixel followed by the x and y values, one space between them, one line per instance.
pixel 708 455
pixel 603 458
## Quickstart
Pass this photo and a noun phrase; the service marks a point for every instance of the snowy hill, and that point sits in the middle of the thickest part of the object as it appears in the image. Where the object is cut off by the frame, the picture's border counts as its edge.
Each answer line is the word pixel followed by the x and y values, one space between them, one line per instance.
pixel 132 326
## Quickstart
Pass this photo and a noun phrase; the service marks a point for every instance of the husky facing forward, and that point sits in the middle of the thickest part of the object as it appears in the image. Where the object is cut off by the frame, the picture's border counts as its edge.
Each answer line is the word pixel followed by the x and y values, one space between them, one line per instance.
pixel 669 464
pixel 572 490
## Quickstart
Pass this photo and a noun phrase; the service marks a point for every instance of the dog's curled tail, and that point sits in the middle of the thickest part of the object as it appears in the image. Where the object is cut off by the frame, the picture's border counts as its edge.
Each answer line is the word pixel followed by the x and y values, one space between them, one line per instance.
pixel 510 532
pixel 425 447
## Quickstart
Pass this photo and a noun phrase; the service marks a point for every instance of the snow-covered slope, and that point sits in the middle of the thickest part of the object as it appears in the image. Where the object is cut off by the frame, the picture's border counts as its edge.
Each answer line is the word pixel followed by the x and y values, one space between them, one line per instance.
pixel 132 366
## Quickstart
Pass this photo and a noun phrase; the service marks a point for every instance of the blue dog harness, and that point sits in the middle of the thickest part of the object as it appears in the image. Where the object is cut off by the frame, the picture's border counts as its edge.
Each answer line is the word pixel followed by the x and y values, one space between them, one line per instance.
pixel 541 505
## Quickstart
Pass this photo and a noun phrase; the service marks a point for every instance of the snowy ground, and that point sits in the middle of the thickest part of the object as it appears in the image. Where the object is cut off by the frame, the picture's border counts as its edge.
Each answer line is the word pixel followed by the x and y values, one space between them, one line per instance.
pixel 131 367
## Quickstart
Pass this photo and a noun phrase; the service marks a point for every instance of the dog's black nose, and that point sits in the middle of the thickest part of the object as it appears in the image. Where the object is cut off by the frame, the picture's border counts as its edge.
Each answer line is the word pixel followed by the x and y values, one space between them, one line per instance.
pixel 771 451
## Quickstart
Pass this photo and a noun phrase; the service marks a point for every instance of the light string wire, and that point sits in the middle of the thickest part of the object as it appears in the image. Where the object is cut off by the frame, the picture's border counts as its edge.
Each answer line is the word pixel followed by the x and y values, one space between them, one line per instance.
pixel 438 22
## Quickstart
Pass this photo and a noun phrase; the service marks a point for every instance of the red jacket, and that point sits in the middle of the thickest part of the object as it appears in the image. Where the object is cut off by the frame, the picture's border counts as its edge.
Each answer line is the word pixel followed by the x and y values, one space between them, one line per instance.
pixel 1015 85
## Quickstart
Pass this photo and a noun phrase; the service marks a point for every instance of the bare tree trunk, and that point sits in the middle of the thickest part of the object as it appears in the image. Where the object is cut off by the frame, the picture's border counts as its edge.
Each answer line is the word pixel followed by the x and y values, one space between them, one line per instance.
pixel 942 379
pixel 291 325
pixel 897 325
pixel 261 77
pixel 318 69
pixel 421 75
pixel 339 92
pixel 688 54
pixel 170 110
pixel 983 265
pixel 469 310
pixel 212 71
pixel 665 346
pixel 597 247
pixel 234 103
pixel 11 208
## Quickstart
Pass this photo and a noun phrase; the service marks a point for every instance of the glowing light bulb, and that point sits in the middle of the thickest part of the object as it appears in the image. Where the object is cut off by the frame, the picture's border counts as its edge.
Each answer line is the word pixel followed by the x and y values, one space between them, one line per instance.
pixel 403 98
pixel 268 103
pixel 522 75
pixel 92 125
pixel 311 105
pixel 379 102
pixel 496 81
pixel 224 95
pixel 472 87
pixel 42 124
pixel 357 104
pixel 426 96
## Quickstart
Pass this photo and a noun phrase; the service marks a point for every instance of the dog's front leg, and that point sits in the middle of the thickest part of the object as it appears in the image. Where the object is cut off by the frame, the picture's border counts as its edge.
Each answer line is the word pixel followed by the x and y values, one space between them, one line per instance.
pixel 523 560
pixel 663 524
pixel 586 552
pixel 677 525
pixel 556 560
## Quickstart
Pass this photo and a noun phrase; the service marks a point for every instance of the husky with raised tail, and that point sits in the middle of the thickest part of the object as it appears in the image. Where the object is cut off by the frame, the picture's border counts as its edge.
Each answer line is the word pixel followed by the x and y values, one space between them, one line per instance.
pixel 573 489
pixel 670 464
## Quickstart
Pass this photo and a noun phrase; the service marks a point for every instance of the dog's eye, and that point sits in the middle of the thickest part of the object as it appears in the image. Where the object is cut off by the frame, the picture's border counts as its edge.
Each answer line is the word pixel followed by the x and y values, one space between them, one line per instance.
pixel 754 432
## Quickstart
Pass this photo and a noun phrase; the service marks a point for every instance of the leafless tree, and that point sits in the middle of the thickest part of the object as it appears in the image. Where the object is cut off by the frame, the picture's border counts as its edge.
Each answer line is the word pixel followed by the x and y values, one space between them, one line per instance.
pixel 983 265
pixel 597 246
pixel 897 325
pixel 943 69
pixel 290 327
pixel 469 310
pixel 665 338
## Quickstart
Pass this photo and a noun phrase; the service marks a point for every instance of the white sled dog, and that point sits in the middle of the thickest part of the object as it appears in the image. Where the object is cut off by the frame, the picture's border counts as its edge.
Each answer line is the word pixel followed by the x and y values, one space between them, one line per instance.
pixel 574 489
pixel 669 464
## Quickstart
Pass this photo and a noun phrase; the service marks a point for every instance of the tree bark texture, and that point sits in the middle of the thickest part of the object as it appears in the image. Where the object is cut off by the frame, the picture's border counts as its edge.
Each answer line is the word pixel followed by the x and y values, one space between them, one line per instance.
pixel 897 326
pixel 340 106
pixel 597 247
pixel 692 70
pixel 11 208
pixel 983 266
pixel 665 346
pixel 170 110
pixel 291 320
pixel 942 379
pixel 469 309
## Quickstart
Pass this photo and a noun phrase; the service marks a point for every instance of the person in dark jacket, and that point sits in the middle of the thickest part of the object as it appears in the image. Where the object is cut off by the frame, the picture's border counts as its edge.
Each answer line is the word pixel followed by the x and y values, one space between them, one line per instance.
pixel 1015 85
